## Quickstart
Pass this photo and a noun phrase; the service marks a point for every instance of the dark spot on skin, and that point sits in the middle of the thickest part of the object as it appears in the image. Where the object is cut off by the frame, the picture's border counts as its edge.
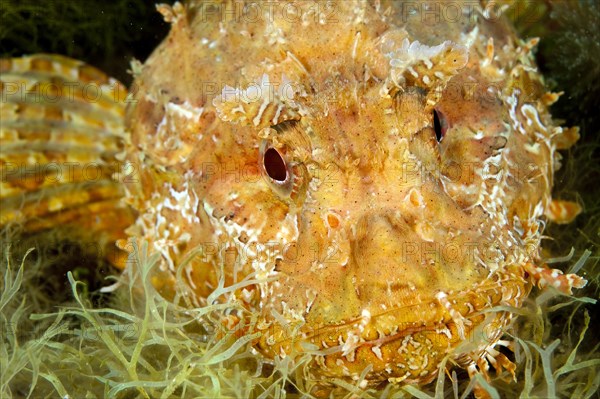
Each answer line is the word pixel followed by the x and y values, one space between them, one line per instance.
pixel 229 216
pixel 277 265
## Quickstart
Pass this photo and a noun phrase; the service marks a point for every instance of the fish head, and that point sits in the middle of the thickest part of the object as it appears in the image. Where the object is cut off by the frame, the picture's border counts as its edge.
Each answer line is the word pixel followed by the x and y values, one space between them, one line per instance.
pixel 368 183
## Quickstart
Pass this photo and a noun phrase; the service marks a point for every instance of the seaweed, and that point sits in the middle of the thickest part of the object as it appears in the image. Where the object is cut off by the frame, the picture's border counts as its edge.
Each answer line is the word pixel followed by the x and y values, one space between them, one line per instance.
pixel 142 345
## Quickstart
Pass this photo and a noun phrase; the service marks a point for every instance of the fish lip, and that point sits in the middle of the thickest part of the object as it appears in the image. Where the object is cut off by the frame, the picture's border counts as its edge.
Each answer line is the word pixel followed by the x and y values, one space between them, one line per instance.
pixel 432 317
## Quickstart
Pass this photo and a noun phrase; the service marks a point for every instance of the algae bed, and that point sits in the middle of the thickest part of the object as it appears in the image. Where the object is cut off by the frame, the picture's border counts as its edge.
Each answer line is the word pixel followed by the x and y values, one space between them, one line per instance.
pixel 63 336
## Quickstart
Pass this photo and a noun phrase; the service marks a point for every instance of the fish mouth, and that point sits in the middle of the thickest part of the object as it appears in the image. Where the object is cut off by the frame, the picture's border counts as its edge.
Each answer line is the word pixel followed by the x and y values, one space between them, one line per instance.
pixel 408 342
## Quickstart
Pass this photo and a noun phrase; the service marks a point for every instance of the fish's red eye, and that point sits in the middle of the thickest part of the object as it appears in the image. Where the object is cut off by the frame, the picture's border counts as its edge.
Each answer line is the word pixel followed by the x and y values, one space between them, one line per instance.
pixel 440 124
pixel 284 175
pixel 275 165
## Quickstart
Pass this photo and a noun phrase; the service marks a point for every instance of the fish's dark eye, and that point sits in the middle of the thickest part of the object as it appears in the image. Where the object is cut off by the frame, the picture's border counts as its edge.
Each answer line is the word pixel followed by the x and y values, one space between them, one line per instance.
pixel 284 174
pixel 440 125
pixel 275 165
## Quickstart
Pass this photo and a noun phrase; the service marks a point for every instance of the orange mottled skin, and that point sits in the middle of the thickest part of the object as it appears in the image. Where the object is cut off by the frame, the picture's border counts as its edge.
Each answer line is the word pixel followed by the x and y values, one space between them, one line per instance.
pixel 385 244
pixel 382 243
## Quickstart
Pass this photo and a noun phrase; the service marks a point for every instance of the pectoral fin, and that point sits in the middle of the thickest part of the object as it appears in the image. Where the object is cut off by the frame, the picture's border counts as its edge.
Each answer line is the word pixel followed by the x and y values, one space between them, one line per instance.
pixel 62 128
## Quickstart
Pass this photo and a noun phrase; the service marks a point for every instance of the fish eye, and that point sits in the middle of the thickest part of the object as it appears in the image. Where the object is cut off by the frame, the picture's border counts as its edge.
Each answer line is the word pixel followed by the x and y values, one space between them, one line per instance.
pixel 440 124
pixel 287 177
pixel 274 165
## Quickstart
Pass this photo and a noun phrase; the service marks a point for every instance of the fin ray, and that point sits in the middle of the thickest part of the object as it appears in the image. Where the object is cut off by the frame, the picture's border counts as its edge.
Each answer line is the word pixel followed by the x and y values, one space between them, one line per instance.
pixel 62 130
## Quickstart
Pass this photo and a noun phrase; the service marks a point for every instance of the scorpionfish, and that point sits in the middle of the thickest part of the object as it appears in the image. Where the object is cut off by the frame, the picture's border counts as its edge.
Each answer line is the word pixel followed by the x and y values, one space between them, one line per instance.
pixel 370 178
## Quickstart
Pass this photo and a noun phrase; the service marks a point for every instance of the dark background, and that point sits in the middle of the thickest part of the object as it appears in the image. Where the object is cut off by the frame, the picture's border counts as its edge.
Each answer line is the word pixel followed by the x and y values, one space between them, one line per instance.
pixel 105 34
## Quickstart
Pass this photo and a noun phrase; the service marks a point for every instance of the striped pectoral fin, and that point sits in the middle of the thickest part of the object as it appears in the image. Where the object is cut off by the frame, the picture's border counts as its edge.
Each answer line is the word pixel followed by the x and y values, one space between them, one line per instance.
pixel 544 277
pixel 62 128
